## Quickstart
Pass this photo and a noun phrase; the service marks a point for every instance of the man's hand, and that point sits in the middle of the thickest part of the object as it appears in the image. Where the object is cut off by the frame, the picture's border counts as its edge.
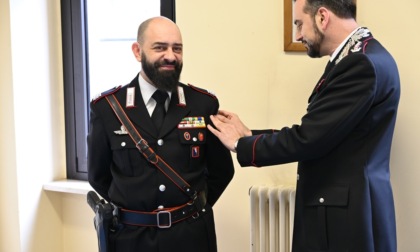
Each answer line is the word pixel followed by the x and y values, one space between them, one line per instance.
pixel 229 128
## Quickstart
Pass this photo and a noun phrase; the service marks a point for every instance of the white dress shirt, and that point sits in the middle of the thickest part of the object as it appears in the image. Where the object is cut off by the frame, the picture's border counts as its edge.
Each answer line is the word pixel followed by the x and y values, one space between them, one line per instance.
pixel 147 91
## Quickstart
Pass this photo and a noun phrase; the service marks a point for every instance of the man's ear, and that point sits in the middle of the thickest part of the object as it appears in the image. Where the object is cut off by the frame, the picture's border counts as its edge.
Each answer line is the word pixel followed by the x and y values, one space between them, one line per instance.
pixel 135 47
pixel 323 17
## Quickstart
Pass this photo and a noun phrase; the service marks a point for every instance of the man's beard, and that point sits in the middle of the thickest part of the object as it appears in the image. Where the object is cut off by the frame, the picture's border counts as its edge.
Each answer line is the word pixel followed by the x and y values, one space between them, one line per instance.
pixel 163 80
pixel 314 47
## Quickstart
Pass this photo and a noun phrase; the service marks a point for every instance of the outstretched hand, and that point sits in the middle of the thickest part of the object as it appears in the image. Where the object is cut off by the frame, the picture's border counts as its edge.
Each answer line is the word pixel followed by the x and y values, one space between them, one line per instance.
pixel 228 128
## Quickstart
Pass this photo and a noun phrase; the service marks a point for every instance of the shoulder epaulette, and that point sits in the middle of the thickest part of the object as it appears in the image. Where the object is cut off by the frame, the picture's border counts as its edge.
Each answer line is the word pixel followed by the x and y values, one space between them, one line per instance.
pixel 106 93
pixel 203 91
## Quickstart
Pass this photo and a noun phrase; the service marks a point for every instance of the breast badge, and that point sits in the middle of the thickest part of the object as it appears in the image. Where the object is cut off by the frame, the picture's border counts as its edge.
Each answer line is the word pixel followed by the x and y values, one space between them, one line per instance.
pixel 122 131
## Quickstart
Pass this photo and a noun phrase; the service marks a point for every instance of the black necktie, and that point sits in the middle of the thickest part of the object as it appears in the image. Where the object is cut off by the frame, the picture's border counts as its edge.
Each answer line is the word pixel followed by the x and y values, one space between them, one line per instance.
pixel 159 113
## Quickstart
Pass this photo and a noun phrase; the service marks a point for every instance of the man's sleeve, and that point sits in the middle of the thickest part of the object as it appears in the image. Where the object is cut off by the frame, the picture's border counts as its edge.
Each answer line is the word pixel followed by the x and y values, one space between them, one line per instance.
pixel 99 155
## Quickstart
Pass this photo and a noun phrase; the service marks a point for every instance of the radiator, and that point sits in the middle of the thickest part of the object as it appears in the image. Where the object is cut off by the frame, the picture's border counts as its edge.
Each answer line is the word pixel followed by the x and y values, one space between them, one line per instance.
pixel 272 213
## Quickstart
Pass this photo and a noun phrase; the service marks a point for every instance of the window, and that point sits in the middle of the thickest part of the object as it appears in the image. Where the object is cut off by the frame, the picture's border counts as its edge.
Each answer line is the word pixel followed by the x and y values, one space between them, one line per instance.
pixel 97 37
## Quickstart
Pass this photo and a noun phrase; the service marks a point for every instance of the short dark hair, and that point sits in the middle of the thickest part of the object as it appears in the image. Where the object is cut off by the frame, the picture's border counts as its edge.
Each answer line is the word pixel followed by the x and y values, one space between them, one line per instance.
pixel 341 8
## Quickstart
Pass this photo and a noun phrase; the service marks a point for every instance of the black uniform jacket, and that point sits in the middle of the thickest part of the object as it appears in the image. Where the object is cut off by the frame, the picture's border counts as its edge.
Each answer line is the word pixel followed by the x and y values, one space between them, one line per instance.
pixel 120 174
pixel 344 200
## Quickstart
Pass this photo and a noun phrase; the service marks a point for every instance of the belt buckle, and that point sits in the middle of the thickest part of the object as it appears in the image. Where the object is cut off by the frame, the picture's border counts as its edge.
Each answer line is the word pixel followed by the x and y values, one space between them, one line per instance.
pixel 169 219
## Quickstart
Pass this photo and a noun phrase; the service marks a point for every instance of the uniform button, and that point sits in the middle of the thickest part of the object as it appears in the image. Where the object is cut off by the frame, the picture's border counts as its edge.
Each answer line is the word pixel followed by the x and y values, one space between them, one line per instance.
pixel 162 188
pixel 160 142
pixel 123 144
pixel 160 207
pixel 194 139
pixel 321 200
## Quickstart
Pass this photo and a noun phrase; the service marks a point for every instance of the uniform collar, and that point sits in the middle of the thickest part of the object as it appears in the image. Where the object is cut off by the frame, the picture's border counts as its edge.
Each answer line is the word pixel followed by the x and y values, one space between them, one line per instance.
pixel 334 55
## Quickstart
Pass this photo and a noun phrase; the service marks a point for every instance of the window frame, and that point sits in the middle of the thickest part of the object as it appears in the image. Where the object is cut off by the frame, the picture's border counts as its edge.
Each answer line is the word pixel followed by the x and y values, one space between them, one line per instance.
pixel 76 81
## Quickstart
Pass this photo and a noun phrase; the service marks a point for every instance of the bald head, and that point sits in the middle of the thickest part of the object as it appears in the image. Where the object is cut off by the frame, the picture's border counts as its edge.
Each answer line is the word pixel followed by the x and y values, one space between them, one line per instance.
pixel 160 26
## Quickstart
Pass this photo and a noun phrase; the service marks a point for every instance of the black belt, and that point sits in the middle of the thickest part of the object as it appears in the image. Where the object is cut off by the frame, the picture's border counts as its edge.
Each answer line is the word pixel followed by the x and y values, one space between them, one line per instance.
pixel 164 218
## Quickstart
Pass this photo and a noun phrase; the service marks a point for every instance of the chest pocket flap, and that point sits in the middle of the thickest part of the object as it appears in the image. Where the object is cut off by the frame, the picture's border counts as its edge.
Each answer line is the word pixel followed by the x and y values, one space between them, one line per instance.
pixel 122 142
pixel 192 136
pixel 335 195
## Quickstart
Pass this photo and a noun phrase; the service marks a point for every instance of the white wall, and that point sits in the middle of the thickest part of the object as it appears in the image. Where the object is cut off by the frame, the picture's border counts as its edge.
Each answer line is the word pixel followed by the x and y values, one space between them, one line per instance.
pixel 8 176
pixel 233 48
pixel 32 128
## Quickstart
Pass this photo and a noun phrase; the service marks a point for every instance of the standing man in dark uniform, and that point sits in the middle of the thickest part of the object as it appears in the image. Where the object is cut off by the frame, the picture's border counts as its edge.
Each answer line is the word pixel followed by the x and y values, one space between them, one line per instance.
pixel 344 200
pixel 156 215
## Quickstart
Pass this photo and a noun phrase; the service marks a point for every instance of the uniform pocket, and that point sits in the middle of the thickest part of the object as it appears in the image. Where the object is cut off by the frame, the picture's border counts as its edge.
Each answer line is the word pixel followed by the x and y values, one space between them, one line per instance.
pixel 192 136
pixel 193 141
pixel 126 156
pixel 325 214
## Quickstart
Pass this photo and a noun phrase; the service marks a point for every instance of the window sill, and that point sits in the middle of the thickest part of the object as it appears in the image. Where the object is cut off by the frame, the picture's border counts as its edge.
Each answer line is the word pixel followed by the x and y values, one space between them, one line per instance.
pixel 68 186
